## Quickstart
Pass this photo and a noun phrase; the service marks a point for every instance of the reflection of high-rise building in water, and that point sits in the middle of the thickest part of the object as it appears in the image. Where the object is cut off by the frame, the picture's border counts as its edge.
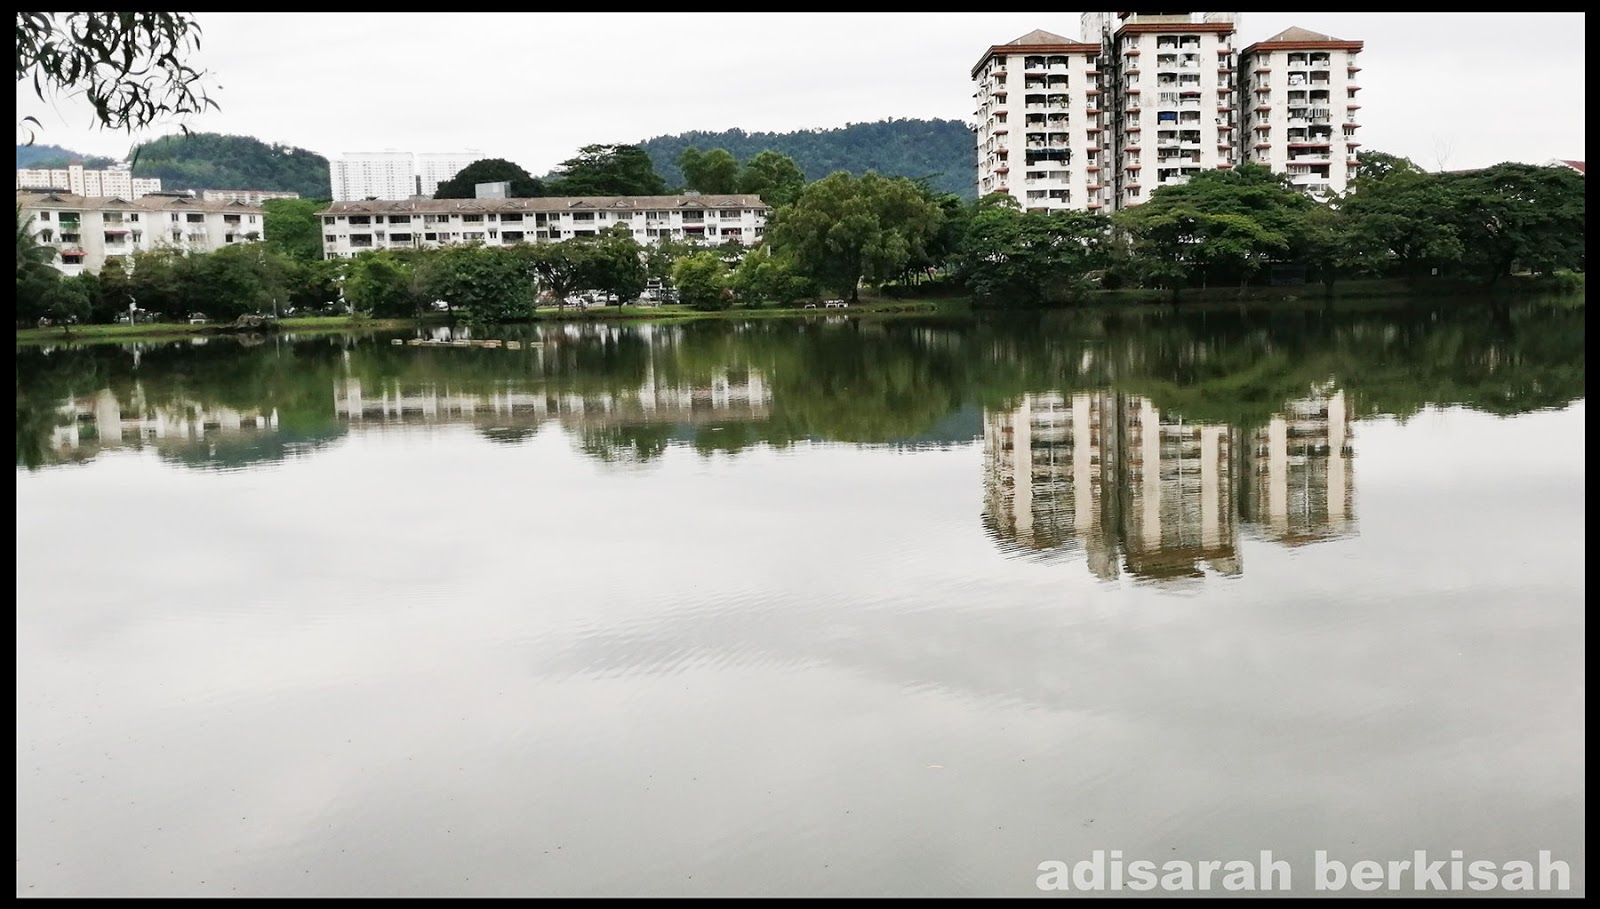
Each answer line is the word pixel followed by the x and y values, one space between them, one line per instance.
pixel 96 422
pixel 1154 493
pixel 1302 481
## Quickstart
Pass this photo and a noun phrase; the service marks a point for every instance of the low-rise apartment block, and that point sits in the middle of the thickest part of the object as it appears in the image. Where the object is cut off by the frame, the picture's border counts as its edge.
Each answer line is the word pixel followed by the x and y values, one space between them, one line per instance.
pixel 349 228
pixel 87 231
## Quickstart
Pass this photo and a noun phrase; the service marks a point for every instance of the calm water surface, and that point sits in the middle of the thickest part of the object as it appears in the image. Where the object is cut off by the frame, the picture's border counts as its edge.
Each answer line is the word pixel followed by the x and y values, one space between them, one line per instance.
pixel 835 607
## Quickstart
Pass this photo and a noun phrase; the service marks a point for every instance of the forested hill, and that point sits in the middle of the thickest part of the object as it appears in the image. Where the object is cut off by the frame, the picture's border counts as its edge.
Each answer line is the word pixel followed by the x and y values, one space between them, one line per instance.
pixel 54 156
pixel 940 149
pixel 214 161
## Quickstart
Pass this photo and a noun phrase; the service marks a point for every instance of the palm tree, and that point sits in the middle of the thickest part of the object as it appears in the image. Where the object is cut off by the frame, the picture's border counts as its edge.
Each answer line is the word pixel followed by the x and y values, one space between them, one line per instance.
pixel 31 253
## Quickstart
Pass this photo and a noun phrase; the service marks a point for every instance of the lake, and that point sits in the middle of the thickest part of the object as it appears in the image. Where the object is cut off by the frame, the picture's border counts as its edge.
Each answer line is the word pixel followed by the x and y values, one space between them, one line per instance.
pixel 826 606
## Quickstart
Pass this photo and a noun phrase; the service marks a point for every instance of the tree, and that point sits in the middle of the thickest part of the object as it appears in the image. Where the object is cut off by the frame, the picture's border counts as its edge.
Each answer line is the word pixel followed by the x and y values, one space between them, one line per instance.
pixel 608 170
pixel 843 230
pixel 129 66
pixel 1517 215
pixel 614 263
pixel 773 176
pixel 714 171
pixel 293 228
pixel 492 283
pixel 1030 257
pixel 762 276
pixel 1222 225
pixel 491 170
pixel 558 268
pixel 380 283
pixel 702 281
pixel 1393 216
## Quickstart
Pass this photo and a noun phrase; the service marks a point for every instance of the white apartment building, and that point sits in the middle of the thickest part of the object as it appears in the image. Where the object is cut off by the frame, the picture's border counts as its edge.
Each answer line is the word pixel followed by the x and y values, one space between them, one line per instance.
pixel 1300 108
pixel 75 179
pixel 1173 98
pixel 247 196
pixel 373 175
pixel 1162 97
pixel 86 231
pixel 435 168
pixel 1039 112
pixel 349 228
pixel 392 175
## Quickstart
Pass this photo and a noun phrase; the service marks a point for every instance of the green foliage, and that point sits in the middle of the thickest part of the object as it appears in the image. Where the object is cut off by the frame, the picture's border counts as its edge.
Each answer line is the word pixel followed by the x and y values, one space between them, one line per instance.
pixel 702 281
pixel 940 150
pixel 1222 226
pixel 1520 215
pixel 129 66
pixel 293 228
pixel 844 230
pixel 607 170
pixel 491 170
pixel 54 157
pixel 492 284
pixel 1030 257
pixel 214 161
pixel 382 283
pixel 764 277
pixel 714 171
pixel 773 176
pixel 558 269
pixel 614 263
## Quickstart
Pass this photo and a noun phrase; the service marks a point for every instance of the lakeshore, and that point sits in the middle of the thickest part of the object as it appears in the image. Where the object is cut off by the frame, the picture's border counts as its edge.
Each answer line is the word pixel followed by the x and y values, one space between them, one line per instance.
pixel 1374 293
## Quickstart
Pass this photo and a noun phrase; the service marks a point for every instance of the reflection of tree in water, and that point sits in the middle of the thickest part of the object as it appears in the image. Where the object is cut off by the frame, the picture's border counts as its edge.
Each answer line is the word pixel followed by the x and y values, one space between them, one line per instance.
pixel 860 381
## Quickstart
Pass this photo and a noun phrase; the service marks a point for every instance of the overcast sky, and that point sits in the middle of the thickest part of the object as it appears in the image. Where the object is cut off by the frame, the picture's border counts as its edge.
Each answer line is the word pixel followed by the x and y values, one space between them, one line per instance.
pixel 1451 90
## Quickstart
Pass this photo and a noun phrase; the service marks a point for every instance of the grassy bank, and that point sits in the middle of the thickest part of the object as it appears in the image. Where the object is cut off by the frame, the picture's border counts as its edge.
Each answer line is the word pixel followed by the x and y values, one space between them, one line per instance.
pixel 1376 293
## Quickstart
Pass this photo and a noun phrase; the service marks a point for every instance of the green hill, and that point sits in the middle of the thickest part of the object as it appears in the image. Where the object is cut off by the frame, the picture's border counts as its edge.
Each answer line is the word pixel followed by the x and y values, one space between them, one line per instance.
pixel 214 161
pixel 940 149
pixel 52 156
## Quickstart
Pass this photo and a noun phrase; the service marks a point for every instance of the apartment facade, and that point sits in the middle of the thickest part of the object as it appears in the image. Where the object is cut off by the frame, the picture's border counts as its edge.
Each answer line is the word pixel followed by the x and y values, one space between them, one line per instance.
pixel 1173 97
pixel 350 228
pixel 434 168
pixel 79 181
pixel 247 196
pixel 1161 97
pixel 87 231
pixel 393 175
pixel 1039 123
pixel 1301 109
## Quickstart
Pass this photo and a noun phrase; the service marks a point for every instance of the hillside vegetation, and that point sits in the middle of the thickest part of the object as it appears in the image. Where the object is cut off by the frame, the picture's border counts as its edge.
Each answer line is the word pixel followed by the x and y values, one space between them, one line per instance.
pixel 942 150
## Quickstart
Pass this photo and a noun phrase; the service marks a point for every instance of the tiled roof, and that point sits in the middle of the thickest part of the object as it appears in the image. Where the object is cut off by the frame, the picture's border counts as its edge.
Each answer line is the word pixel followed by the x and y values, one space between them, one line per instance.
pixel 1040 36
pixel 1296 33
pixel 36 199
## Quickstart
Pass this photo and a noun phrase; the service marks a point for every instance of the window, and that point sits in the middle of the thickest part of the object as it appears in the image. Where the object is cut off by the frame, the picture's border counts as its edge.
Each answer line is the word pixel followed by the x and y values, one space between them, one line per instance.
pixel 327 220
pixel 730 213
pixel 176 217
pixel 514 236
pixel 494 235
pixel 399 219
pixel 474 235
pixel 329 238
pixel 138 237
pixel 431 238
pixel 400 238
pixel 252 218
pixel 472 219
pixel 360 219
pixel 377 219
pixel 44 216
pixel 195 218
pixel 361 241
pixel 583 216
pixel 511 218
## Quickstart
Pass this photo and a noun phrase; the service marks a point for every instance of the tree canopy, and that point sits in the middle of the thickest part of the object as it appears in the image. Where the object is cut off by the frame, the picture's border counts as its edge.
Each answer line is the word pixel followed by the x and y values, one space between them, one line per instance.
pixel 215 161
pixel 491 170
pixel 844 229
pixel 607 170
